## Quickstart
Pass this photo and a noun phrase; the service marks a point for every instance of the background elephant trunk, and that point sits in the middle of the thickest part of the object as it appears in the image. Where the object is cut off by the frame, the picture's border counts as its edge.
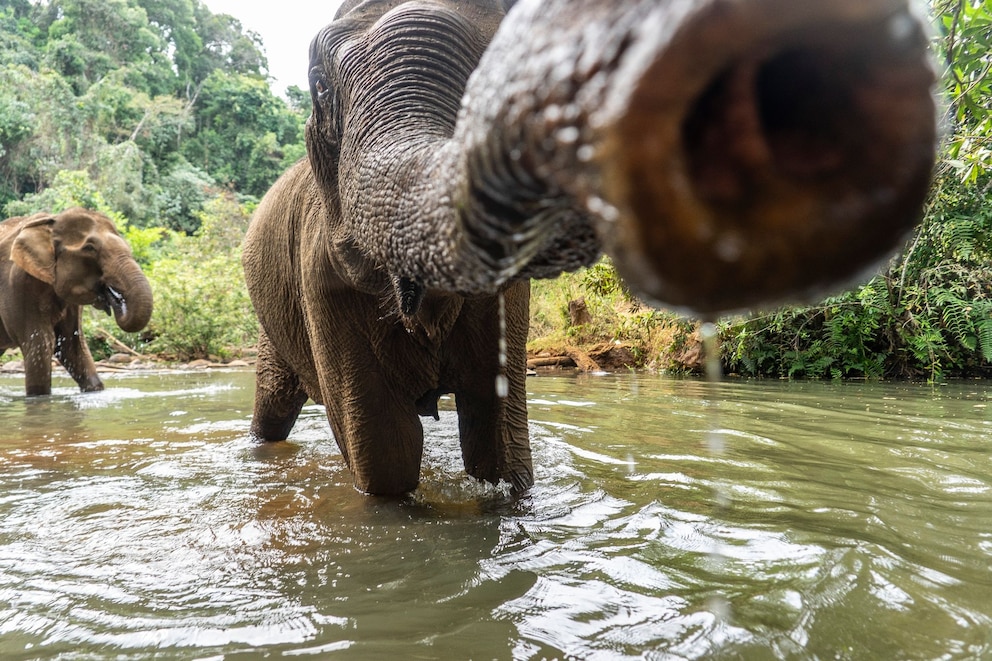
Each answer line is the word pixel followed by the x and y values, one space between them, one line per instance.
pixel 128 293
pixel 726 153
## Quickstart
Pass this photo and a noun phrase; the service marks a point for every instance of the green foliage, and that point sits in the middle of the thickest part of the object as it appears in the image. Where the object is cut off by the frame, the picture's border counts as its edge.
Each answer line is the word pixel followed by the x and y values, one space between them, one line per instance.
pixel 615 316
pixel 85 82
pixel 184 191
pixel 202 307
pixel 965 44
pixel 602 278
pixel 71 188
pixel 241 131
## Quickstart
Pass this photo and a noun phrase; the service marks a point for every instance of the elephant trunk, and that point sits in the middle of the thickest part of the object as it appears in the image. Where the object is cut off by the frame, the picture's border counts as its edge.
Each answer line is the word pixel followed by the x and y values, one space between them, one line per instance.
pixel 128 293
pixel 725 153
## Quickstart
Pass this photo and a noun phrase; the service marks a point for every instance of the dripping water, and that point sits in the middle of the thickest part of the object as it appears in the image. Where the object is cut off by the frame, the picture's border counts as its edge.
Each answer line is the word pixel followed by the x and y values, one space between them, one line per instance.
pixel 715 445
pixel 502 383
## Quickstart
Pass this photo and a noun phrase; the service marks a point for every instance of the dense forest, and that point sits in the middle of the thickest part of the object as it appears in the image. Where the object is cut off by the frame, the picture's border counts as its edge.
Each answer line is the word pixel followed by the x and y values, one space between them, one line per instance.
pixel 159 114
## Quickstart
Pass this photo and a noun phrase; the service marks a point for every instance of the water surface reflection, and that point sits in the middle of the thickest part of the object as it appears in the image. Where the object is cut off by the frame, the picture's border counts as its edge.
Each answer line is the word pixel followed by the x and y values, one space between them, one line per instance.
pixel 838 521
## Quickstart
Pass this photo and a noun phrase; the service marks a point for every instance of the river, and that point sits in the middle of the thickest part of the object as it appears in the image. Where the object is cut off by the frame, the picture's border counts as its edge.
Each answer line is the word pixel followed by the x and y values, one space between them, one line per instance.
pixel 670 519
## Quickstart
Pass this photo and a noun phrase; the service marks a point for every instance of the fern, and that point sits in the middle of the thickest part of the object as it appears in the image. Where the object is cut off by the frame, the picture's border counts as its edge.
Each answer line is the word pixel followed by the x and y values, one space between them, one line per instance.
pixel 982 314
pixel 960 238
pixel 956 315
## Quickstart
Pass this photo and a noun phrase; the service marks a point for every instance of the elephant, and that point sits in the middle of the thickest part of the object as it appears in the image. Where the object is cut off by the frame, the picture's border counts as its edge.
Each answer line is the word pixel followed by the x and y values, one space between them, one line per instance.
pixel 50 266
pixel 724 154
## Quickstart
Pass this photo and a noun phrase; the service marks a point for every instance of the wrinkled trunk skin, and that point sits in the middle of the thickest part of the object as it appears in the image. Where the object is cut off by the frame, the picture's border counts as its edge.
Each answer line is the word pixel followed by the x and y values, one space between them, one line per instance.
pixel 725 153
pixel 125 276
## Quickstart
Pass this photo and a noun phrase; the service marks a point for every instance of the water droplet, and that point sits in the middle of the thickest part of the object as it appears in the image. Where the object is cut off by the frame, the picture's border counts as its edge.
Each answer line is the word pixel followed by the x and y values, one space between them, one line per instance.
pixel 585 153
pixel 729 247
pixel 711 351
pixel 502 386
pixel 901 27
pixel 714 442
pixel 502 383
pixel 720 608
pixel 568 135
pixel 602 208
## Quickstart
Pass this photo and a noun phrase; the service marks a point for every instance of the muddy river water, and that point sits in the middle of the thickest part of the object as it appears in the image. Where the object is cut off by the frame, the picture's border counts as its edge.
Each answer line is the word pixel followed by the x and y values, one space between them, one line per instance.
pixel 671 519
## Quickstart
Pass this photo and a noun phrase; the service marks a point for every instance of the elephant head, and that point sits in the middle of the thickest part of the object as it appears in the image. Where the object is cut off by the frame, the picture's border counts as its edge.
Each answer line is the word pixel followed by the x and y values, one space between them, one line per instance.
pixel 81 255
pixel 725 154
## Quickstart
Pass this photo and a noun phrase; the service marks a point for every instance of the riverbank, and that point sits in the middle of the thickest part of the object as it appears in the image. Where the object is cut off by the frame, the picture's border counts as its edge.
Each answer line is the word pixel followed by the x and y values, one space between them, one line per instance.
pixel 668 348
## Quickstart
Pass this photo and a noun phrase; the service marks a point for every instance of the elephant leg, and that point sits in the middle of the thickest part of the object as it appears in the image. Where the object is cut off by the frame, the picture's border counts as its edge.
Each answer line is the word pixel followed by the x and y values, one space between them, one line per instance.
pixel 38 350
pixel 493 430
pixel 279 394
pixel 379 435
pixel 74 354
pixel 494 435
pixel 369 378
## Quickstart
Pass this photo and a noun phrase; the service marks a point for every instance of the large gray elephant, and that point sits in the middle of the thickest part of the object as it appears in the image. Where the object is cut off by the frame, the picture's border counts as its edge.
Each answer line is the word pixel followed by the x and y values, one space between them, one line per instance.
pixel 725 154
pixel 51 266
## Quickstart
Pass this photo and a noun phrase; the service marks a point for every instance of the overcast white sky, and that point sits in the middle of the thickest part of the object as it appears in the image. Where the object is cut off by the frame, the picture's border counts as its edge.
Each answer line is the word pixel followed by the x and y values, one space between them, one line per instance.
pixel 286 28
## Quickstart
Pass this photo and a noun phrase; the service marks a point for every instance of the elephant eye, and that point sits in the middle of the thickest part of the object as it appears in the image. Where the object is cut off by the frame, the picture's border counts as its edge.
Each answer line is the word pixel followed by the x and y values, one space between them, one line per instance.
pixel 318 84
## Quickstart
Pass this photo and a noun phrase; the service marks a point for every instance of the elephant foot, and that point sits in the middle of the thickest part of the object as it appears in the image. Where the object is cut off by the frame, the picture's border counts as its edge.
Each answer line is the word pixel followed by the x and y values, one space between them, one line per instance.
pixel 91 384
pixel 521 480
pixel 382 478
pixel 272 429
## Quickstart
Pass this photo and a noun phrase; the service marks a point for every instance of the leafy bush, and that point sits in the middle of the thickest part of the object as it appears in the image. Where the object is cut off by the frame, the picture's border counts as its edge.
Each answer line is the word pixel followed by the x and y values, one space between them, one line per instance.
pixel 201 304
pixel 202 308
pixel 616 316
pixel 184 192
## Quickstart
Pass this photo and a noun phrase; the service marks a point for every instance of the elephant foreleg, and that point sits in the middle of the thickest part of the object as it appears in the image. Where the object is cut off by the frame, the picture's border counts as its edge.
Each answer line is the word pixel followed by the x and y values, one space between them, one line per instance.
pixel 279 394
pixel 494 436
pixel 493 429
pixel 38 349
pixel 72 351
pixel 378 431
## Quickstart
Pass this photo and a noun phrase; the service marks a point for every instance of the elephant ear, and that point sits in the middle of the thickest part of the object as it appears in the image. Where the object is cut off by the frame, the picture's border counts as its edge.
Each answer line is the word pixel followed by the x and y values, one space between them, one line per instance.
pixel 33 250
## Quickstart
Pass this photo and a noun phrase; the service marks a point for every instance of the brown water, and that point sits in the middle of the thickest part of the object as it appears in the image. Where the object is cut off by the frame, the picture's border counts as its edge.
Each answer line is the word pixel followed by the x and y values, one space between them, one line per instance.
pixel 844 521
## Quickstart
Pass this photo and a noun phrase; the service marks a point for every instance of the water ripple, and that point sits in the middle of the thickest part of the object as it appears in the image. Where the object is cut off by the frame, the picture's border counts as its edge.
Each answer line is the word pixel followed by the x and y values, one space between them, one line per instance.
pixel 834 521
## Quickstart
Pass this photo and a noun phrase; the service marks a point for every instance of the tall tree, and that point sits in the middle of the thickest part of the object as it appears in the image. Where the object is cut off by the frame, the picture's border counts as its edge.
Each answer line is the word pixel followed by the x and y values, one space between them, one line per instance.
pixel 87 39
pixel 242 131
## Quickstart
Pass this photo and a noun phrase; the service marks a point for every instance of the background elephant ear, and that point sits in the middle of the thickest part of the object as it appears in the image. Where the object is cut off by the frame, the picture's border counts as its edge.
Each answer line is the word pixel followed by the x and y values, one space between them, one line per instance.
pixel 33 249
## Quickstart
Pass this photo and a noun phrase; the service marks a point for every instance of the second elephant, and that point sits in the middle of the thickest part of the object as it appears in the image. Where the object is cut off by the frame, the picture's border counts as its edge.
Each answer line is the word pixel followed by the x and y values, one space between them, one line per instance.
pixel 50 266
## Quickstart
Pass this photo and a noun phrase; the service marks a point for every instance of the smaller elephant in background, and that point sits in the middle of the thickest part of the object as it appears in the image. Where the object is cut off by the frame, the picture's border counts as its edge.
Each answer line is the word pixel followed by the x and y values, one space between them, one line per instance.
pixel 50 266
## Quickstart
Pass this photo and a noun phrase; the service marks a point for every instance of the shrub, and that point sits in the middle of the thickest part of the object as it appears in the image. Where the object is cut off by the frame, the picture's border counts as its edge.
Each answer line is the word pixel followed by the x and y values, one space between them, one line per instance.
pixel 201 307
